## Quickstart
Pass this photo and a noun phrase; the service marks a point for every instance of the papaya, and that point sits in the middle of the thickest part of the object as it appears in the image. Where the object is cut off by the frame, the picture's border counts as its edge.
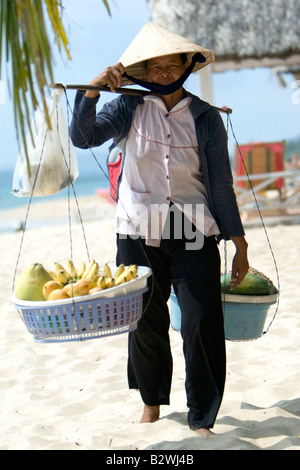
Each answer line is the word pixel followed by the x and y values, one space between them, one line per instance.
pixel 252 284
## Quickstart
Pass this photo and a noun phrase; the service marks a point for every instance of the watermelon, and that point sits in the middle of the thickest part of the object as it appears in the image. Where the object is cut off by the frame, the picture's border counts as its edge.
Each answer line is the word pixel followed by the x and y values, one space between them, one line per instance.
pixel 252 284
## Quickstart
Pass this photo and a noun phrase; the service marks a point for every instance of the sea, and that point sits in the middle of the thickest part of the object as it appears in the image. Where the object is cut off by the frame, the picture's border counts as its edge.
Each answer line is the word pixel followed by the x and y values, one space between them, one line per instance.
pixel 92 176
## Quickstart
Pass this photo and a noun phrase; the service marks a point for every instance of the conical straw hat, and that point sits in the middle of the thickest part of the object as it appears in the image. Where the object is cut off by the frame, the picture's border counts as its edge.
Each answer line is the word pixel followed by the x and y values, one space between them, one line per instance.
pixel 155 41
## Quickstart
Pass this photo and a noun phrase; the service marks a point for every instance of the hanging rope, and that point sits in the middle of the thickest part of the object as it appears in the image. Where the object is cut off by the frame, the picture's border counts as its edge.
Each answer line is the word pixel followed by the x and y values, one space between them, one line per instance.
pixel 69 109
pixel 68 166
pixel 27 212
pixel 153 280
pixel 229 122
pixel 228 111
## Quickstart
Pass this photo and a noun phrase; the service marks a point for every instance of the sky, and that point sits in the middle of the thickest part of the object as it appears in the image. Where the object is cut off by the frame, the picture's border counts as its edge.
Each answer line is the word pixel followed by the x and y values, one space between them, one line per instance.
pixel 263 110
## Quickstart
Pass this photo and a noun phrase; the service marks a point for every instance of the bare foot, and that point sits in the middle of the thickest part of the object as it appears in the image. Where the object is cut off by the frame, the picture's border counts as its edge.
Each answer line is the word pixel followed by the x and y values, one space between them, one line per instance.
pixel 151 414
pixel 203 432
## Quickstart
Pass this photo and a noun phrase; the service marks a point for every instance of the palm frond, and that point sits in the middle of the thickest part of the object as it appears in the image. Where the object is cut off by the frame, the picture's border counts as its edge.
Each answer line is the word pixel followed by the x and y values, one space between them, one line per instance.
pixel 107 6
pixel 25 47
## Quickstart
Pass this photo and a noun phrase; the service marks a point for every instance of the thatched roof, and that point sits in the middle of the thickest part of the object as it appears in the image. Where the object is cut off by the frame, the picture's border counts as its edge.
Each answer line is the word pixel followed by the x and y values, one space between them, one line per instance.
pixel 242 33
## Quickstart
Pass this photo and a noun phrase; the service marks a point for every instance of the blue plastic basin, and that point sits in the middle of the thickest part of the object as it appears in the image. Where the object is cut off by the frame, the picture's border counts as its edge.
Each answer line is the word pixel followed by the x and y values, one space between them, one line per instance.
pixel 244 315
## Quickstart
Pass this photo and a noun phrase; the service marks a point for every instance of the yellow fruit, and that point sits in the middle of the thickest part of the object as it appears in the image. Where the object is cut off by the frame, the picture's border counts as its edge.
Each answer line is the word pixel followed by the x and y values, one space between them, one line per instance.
pixel 131 269
pixel 95 290
pixel 62 274
pixel 86 282
pixel 120 269
pixel 53 274
pixel 29 285
pixel 134 270
pixel 127 275
pixel 93 272
pixel 49 287
pixel 110 282
pixel 59 267
pixel 71 290
pixel 81 269
pixel 120 280
pixel 58 294
pixel 71 268
pixel 79 288
pixel 88 268
pixel 67 288
pixel 63 277
pixel 101 282
pixel 107 271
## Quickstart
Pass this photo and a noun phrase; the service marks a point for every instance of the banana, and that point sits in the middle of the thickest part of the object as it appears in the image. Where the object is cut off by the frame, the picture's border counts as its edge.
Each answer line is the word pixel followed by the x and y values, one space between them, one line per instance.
pixel 81 269
pixel 58 266
pixel 129 273
pixel 62 273
pixel 93 273
pixel 106 271
pixel 120 269
pixel 110 282
pixel 134 270
pixel 101 282
pixel 53 275
pixel 71 269
pixel 89 266
pixel 122 279
pixel 63 276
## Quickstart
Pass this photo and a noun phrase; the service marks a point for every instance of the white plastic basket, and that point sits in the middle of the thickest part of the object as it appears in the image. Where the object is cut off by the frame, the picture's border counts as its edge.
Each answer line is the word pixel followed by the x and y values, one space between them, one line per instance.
pixel 109 312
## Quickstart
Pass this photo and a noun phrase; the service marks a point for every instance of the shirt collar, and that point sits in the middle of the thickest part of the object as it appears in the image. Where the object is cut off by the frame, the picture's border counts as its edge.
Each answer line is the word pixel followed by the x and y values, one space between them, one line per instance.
pixel 179 106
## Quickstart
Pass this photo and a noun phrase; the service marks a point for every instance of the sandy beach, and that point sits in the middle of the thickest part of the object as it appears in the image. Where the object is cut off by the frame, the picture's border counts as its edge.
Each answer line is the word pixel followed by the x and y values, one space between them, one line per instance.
pixel 74 396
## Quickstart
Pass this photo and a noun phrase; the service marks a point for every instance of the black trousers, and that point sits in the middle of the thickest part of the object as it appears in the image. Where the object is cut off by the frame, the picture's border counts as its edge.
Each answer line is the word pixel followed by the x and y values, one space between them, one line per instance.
pixel 195 275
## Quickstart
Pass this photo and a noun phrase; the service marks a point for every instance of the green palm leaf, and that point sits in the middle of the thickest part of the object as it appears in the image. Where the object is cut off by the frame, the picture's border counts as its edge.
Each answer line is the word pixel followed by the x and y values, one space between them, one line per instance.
pixel 25 46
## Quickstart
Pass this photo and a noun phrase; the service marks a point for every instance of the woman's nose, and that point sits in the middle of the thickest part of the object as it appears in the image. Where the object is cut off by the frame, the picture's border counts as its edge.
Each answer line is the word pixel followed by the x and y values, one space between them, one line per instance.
pixel 164 73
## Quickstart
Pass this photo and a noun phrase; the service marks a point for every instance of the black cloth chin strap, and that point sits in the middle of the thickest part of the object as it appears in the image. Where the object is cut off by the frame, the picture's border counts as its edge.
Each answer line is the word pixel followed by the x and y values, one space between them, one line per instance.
pixel 168 89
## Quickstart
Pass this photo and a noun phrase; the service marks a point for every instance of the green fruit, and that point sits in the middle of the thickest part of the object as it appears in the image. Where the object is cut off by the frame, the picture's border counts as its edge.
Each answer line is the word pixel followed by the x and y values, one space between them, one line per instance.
pixel 30 283
pixel 251 285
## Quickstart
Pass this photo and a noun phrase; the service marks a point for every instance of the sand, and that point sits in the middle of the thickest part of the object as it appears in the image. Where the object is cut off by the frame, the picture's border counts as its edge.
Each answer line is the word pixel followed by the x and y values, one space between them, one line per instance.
pixel 74 396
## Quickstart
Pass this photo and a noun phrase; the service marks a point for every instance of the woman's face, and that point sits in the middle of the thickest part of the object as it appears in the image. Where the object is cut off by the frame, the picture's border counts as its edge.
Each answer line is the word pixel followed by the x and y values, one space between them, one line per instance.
pixel 166 69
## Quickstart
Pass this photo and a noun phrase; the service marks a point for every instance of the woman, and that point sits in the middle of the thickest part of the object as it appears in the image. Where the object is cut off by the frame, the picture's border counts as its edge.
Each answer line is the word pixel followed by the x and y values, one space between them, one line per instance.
pixel 176 174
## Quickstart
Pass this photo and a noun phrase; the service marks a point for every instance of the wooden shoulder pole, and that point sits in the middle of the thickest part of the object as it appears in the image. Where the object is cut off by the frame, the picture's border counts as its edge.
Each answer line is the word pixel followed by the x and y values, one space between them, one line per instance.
pixel 124 91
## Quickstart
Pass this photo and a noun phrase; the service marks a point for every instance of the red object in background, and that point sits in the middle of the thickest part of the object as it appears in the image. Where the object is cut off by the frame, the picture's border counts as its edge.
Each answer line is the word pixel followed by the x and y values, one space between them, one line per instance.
pixel 260 158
